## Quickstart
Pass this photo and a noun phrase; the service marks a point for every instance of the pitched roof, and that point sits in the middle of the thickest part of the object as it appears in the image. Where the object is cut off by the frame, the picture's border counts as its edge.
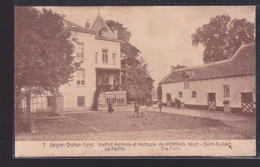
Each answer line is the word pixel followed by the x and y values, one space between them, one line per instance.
pixel 75 27
pixel 99 24
pixel 242 63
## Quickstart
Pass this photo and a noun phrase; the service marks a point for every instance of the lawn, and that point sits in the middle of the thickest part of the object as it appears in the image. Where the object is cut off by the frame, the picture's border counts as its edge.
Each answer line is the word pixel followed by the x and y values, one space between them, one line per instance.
pixel 123 121
pixel 121 125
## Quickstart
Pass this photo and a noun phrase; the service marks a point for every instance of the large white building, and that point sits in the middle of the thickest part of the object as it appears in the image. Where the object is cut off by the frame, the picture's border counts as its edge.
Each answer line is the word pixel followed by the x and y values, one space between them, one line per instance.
pixel 208 86
pixel 98 48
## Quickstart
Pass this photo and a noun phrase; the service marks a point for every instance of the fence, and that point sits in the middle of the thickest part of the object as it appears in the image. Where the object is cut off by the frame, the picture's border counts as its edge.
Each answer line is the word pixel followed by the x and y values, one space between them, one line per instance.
pixel 44 104
pixel 116 98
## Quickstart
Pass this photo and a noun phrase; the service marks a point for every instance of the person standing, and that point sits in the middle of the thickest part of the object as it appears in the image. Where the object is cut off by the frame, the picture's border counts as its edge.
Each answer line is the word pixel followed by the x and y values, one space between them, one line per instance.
pixel 110 107
pixel 160 105
pixel 136 109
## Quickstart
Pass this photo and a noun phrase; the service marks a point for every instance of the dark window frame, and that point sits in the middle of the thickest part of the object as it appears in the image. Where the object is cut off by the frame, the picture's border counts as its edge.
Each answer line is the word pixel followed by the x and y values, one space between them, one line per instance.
pixel 180 94
pixel 194 94
pixel 114 59
pixel 80 101
pixel 104 56
pixel 96 57
pixel 80 52
pixel 226 89
pixel 81 82
pixel 168 96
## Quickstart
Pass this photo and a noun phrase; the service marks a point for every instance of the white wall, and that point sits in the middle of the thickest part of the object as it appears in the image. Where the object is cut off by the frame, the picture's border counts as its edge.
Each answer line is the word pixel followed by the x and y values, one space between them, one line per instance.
pixel 237 85
pixel 91 45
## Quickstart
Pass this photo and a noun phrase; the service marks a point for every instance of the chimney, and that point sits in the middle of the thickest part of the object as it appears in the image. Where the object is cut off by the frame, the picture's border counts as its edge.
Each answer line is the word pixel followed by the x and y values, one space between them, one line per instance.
pixel 87 25
pixel 116 33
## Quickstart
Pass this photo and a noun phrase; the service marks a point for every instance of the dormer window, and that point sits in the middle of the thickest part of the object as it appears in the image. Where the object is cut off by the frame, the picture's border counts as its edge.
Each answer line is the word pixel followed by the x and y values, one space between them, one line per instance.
pixel 103 32
pixel 186 81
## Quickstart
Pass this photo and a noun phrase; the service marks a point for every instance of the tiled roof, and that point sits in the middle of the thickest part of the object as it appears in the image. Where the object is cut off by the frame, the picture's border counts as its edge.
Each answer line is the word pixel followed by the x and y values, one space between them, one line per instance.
pixel 242 63
pixel 72 26
pixel 99 24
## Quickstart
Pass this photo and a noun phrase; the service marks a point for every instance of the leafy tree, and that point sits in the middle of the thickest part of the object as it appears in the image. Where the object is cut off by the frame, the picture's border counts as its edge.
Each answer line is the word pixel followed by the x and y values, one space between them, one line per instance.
pixel 222 37
pixel 43 53
pixel 137 80
pixel 177 67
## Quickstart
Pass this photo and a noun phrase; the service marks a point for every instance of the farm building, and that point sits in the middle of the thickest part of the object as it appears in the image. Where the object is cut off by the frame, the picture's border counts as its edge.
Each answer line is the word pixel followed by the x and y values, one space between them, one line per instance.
pixel 98 48
pixel 229 82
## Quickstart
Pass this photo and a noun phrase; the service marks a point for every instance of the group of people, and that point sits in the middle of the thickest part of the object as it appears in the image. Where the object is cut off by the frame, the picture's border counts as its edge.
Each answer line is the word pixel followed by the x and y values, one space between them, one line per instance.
pixel 137 111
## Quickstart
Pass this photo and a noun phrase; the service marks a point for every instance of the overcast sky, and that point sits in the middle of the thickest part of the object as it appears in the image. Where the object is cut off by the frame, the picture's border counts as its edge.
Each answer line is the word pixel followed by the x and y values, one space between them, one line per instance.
pixel 162 34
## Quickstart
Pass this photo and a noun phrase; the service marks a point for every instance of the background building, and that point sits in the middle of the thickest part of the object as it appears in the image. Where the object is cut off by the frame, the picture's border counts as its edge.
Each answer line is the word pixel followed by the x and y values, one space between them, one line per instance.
pixel 211 85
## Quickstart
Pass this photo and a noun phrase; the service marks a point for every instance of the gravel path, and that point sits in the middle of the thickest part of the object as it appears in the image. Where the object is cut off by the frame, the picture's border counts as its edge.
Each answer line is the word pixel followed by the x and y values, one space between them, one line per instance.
pixel 191 125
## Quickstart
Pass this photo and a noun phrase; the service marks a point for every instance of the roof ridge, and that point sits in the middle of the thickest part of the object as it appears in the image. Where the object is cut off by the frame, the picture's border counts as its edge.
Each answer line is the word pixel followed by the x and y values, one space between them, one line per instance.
pixel 218 62
pixel 75 27
pixel 210 65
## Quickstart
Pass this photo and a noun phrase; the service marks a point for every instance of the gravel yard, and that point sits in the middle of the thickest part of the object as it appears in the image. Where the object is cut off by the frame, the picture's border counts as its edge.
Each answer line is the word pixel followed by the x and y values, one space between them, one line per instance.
pixel 121 125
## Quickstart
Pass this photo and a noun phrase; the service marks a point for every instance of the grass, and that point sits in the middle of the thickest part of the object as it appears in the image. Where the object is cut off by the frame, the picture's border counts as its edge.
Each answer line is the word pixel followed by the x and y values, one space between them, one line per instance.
pixel 123 121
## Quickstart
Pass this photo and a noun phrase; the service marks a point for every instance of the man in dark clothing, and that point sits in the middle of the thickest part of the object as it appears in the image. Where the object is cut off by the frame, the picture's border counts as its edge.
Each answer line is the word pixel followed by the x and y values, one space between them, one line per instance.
pixel 178 102
pixel 110 107
pixel 160 105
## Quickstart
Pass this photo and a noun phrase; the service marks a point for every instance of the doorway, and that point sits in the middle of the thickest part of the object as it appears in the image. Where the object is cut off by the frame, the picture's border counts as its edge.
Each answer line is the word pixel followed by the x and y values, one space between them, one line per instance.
pixel 212 101
pixel 247 102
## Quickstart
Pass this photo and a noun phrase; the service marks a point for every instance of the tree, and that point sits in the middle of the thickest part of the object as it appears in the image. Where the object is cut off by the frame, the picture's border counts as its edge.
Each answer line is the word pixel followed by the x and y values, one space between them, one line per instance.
pixel 43 53
pixel 222 37
pixel 137 80
pixel 177 67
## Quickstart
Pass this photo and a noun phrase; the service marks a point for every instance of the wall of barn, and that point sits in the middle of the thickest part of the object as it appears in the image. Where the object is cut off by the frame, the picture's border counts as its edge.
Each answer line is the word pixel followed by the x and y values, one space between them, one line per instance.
pixel 202 87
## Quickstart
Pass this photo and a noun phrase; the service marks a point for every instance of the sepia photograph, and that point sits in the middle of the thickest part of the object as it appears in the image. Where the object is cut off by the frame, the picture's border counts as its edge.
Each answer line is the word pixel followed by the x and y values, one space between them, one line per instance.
pixel 135 81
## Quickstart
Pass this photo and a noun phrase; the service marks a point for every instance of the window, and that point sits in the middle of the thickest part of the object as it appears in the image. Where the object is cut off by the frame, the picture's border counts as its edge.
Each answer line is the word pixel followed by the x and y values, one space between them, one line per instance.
pixel 80 77
pixel 226 91
pixel 194 94
pixel 49 101
pixel 81 101
pixel 114 58
pixel 180 94
pixel 186 83
pixel 168 96
pixel 104 56
pixel 96 57
pixel 116 80
pixel 80 50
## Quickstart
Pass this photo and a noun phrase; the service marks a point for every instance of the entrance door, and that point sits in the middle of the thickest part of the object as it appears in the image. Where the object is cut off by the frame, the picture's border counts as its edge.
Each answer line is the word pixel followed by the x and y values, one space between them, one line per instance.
pixel 212 101
pixel 247 102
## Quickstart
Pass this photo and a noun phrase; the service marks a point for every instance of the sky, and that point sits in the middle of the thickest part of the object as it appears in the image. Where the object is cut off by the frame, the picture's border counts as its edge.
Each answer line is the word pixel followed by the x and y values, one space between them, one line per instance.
pixel 161 33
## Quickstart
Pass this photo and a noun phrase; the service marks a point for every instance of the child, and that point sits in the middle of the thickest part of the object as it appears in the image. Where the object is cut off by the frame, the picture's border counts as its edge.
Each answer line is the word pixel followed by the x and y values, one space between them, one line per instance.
pixel 136 109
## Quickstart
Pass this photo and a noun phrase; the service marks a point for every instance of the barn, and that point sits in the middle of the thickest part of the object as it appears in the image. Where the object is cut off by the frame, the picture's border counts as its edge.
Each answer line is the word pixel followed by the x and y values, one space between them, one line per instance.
pixel 230 83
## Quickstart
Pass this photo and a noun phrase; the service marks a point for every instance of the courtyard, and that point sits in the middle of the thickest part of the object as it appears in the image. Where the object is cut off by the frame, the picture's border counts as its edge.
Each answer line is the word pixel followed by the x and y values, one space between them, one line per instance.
pixel 171 124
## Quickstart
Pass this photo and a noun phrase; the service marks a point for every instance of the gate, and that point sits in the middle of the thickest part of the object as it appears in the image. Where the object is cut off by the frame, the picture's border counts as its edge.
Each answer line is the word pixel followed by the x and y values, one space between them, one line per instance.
pixel 247 102
pixel 212 101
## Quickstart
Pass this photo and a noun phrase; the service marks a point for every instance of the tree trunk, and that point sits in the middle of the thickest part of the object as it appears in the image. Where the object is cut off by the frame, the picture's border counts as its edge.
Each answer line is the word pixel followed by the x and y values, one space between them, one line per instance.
pixel 28 106
pixel 18 102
